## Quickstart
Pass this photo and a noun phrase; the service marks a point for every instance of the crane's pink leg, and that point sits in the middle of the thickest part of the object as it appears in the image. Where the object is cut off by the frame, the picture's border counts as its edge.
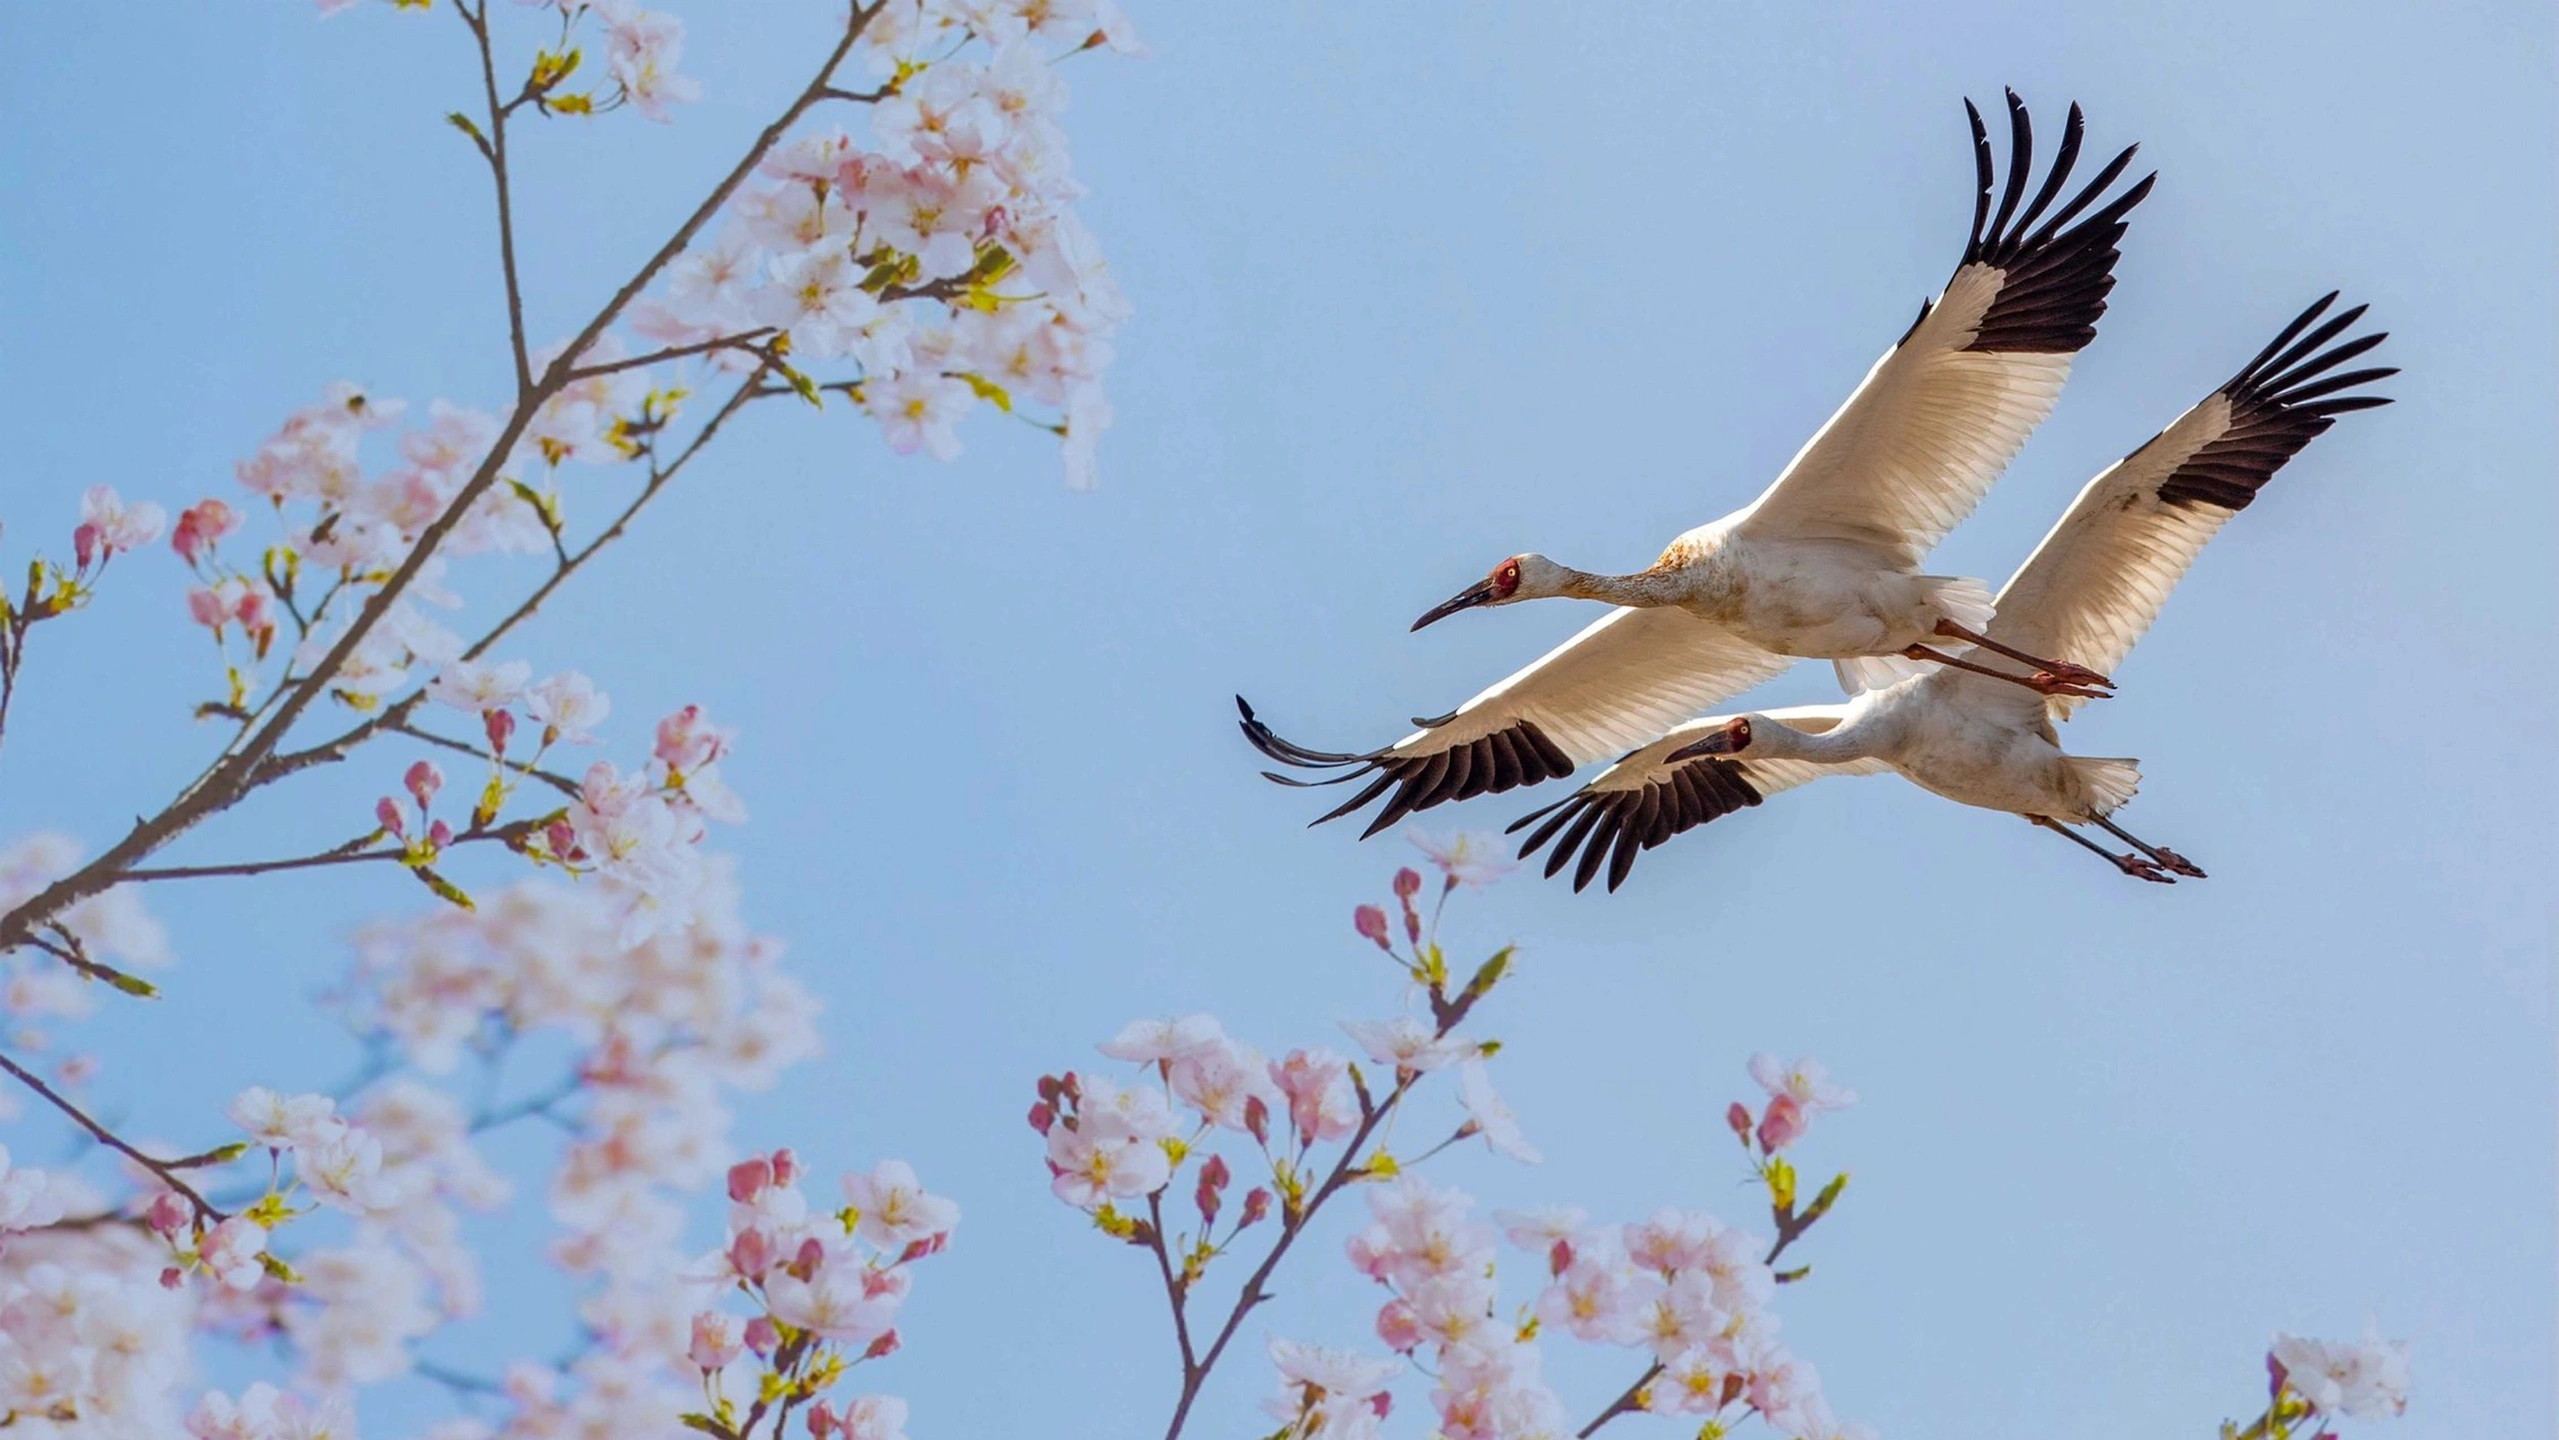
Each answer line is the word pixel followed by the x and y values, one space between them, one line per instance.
pixel 2058 669
pixel 2042 682
pixel 2132 865
pixel 2168 859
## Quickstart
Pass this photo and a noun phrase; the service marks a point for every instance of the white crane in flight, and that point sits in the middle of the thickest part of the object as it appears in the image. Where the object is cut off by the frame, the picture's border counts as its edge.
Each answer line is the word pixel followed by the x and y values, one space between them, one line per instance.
pixel 1825 564
pixel 2091 589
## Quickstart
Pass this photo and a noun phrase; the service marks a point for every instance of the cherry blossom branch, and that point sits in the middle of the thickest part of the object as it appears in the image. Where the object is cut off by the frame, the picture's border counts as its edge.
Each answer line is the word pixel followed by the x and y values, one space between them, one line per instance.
pixel 1790 1228
pixel 351 853
pixel 249 767
pixel 165 1171
pixel 397 714
pixel 1293 1222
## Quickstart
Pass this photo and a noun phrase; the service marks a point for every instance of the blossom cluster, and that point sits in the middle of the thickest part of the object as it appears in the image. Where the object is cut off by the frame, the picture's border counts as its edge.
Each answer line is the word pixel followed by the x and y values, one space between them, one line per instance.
pixel 826 1287
pixel 938 259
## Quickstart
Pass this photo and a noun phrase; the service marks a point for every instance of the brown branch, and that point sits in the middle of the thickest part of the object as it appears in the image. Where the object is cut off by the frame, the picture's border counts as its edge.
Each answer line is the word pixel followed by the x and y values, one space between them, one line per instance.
pixel 494 150
pixel 1176 1291
pixel 1194 1376
pixel 166 1172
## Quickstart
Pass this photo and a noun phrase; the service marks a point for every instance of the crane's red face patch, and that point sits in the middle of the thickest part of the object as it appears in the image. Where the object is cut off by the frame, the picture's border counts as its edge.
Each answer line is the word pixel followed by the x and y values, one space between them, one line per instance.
pixel 1739 731
pixel 1505 579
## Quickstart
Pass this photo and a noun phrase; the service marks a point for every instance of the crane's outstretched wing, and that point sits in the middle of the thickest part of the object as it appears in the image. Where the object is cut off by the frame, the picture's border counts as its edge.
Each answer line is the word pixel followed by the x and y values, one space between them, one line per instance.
pixel 1937 419
pixel 2096 583
pixel 1646 798
pixel 1615 685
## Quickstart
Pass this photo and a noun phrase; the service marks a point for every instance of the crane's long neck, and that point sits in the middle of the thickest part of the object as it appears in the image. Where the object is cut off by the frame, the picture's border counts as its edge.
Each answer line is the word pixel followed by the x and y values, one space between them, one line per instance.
pixel 1644 589
pixel 1854 737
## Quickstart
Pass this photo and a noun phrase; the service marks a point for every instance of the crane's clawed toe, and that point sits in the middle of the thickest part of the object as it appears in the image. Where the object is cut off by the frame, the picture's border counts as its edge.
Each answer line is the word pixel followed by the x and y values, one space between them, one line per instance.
pixel 2046 682
pixel 2180 864
pixel 2141 869
pixel 2068 673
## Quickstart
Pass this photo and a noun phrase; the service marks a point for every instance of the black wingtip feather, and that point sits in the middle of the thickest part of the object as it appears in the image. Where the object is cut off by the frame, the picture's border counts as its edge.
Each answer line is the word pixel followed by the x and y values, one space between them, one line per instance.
pixel 2054 279
pixel 2278 404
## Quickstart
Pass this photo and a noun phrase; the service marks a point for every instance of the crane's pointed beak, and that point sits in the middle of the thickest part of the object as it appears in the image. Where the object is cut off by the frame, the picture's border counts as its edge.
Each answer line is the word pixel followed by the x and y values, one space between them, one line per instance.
pixel 1479 593
pixel 1723 740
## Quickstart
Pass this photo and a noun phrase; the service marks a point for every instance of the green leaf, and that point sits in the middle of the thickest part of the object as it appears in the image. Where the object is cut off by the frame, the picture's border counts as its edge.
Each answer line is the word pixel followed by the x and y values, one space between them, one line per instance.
pixel 219 1155
pixel 707 1425
pixel 987 390
pixel 463 123
pixel 1789 1277
pixel 803 385
pixel 442 887
pixel 281 1271
pixel 129 984
pixel 1830 1194
pixel 1490 973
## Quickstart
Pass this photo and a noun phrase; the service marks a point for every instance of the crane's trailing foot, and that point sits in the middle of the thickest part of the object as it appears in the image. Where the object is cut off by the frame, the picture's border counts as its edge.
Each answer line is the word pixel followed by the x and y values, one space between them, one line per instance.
pixel 2042 682
pixel 2160 855
pixel 2133 865
pixel 2061 670
pixel 2141 869
pixel 2045 682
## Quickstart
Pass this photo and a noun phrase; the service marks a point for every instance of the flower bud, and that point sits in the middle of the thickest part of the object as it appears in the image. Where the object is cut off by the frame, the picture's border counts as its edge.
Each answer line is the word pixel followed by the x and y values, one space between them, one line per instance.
pixel 822 1421
pixel 1257 1203
pixel 1257 1119
pixel 1370 922
pixel 1408 883
pixel 885 1346
pixel 562 837
pixel 751 1254
pixel 786 1166
pixel 761 1335
pixel 749 1178
pixel 386 811
pixel 84 544
pixel 499 724
pixel 439 835
pixel 1738 1117
pixel 1782 1125
pixel 1042 1117
pixel 171 1277
pixel 422 781
pixel 1399 1327
pixel 1560 1258
pixel 168 1214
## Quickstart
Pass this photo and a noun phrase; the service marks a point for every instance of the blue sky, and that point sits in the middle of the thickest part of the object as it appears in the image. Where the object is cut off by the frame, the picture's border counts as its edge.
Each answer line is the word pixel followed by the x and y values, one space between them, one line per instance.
pixel 1419 287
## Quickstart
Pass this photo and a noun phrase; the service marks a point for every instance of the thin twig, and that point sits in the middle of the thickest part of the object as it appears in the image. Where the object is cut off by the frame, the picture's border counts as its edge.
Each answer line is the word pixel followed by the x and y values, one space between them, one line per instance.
pixel 495 152
pixel 559 782
pixel 166 1173
pixel 743 340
